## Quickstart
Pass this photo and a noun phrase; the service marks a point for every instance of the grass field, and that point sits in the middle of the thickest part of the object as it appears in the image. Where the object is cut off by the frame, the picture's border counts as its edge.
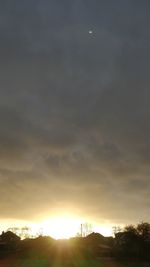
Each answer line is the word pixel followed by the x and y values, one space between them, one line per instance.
pixel 76 263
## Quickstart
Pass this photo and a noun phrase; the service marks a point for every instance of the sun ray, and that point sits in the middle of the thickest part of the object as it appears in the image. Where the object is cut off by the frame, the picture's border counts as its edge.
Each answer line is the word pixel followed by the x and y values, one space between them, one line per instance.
pixel 61 227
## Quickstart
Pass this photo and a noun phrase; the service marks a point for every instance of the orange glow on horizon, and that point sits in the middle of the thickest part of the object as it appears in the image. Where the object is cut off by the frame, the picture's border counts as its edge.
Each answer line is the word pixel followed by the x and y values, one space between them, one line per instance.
pixel 58 226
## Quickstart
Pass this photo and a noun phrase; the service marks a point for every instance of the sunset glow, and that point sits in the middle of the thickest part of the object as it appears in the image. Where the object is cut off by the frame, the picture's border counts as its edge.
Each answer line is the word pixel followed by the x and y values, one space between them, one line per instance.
pixel 74 114
pixel 68 226
pixel 61 227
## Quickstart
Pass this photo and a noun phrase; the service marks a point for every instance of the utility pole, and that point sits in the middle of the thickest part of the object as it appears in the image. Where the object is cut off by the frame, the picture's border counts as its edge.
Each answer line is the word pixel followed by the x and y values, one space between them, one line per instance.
pixel 81 230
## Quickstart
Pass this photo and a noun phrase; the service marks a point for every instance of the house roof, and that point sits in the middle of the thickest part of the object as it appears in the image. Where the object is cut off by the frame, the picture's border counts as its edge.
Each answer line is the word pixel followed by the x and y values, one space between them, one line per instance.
pixel 9 235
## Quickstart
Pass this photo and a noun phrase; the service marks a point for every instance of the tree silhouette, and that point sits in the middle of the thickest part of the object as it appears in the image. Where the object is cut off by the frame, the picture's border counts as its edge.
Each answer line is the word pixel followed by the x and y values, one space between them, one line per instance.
pixel 143 230
pixel 86 229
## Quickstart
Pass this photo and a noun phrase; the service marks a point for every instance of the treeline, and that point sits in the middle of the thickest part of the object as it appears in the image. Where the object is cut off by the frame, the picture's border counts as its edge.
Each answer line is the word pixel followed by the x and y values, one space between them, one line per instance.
pixel 130 243
pixel 133 242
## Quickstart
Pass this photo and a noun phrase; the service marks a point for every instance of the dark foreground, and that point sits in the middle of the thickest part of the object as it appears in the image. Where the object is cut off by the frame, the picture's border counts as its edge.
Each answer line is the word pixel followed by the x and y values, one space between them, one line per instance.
pixel 129 248
pixel 74 263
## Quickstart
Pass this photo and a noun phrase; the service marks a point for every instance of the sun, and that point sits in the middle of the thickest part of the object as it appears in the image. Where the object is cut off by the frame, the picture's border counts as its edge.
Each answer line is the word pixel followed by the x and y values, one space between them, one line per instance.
pixel 61 227
pixel 64 226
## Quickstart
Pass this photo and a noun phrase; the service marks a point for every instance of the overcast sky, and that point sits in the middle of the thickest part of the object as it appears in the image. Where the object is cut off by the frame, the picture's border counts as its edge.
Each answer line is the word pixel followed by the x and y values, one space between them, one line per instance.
pixel 75 109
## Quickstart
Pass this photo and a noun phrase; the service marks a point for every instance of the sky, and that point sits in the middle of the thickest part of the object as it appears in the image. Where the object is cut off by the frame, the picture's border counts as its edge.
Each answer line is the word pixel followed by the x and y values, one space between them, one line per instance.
pixel 74 110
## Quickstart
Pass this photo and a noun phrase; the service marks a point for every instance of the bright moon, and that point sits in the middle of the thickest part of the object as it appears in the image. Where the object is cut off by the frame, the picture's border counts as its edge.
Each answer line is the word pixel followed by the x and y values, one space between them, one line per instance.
pixel 90 32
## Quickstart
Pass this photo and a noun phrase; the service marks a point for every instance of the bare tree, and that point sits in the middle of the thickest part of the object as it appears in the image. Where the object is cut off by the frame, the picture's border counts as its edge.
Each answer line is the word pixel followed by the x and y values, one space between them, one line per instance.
pixel 86 229
pixel 116 229
pixel 25 232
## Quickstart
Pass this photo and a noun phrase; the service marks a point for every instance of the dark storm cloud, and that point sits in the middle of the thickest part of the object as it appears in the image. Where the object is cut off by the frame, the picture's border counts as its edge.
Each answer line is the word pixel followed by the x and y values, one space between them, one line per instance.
pixel 74 108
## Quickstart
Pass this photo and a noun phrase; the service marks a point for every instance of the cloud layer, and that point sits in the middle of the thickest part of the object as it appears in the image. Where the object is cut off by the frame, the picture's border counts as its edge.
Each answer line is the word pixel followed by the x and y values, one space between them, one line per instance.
pixel 74 109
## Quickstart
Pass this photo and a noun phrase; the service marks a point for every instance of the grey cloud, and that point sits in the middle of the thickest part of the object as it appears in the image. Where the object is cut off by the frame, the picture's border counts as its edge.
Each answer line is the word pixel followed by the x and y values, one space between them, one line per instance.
pixel 74 107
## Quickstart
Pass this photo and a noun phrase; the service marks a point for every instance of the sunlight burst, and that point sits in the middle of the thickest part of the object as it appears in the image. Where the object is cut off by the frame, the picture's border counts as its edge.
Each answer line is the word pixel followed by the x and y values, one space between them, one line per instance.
pixel 61 227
